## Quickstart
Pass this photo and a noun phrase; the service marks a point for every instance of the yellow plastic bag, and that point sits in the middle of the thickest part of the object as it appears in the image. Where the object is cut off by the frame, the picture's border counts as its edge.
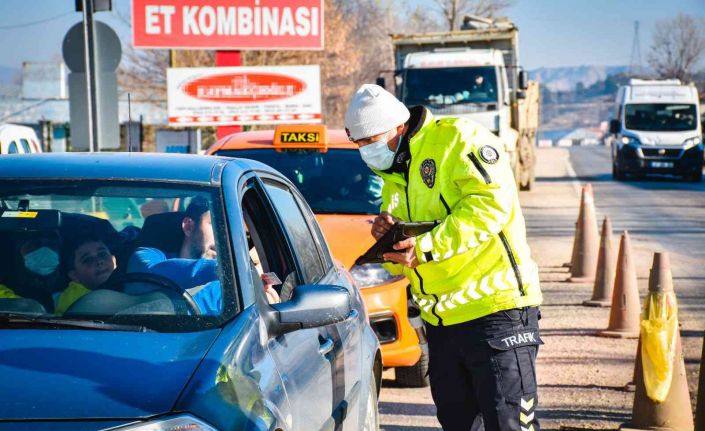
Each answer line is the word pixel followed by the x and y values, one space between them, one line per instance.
pixel 659 324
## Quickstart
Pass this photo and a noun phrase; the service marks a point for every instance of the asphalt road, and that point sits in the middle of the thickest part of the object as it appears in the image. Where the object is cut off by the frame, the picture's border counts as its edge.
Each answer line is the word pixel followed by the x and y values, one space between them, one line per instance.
pixel 666 210
pixel 579 385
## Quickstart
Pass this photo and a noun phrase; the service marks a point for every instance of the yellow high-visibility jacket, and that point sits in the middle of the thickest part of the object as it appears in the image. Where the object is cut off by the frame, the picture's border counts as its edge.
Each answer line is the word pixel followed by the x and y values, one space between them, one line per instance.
pixel 477 261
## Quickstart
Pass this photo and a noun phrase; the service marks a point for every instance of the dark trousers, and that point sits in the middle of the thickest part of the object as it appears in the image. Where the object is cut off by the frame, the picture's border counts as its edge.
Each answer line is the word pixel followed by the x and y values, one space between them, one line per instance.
pixel 486 366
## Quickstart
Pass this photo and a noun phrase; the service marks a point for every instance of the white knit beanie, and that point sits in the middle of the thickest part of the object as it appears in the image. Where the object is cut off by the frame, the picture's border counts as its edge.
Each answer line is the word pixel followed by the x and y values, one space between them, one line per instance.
pixel 373 110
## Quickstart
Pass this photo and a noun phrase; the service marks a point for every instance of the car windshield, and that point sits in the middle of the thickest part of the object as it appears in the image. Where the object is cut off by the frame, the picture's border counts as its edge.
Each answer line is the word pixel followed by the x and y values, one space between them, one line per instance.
pixel 660 117
pixel 335 181
pixel 144 256
pixel 450 86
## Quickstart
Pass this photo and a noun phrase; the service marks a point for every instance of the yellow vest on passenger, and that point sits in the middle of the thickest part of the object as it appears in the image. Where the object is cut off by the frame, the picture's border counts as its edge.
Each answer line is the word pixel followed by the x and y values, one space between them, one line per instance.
pixel 71 294
pixel 6 292
pixel 477 261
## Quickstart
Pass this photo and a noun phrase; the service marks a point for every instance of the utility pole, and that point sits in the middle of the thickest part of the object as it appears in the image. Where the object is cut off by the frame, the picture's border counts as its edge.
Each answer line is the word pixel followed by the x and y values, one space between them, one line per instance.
pixel 635 60
pixel 89 53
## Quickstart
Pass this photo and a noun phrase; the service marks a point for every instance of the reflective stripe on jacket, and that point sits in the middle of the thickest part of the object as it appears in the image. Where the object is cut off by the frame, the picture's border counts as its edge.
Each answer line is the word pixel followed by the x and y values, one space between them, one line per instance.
pixel 477 261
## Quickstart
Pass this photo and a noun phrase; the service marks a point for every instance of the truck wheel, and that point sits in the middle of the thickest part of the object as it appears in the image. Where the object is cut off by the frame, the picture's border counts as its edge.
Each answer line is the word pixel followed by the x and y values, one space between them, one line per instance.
pixel 414 376
pixel 526 162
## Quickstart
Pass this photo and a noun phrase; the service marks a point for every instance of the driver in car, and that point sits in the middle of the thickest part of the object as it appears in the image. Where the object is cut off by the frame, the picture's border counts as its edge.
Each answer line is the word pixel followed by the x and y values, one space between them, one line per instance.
pixel 194 268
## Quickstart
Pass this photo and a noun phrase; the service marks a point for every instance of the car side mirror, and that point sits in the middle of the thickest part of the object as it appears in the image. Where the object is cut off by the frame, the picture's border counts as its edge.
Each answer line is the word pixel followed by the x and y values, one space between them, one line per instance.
pixel 312 306
pixel 523 80
pixel 615 126
pixel 381 82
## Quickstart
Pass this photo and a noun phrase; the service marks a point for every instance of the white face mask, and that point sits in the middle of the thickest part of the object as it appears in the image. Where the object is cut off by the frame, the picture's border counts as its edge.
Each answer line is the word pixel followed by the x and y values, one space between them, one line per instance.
pixel 42 261
pixel 377 155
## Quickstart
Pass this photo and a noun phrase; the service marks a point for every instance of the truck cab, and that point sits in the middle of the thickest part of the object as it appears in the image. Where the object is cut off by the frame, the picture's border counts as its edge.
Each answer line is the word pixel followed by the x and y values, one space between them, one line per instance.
pixel 657 130
pixel 475 74
pixel 461 82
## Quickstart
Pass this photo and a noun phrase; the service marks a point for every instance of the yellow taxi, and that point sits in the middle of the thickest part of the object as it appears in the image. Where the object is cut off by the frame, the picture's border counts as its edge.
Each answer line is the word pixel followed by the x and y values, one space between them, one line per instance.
pixel 345 196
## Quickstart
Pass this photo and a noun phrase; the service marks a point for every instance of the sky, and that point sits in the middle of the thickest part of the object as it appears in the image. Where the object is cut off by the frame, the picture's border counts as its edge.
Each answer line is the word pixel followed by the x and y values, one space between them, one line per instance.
pixel 552 32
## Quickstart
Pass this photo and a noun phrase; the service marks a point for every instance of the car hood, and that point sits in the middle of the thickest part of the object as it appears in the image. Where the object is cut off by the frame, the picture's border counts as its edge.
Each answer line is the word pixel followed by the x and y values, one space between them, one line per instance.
pixel 348 236
pixel 72 374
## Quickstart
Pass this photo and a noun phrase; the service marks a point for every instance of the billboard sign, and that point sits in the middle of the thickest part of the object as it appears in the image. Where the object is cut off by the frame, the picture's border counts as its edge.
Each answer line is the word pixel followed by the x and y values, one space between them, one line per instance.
pixel 222 96
pixel 228 25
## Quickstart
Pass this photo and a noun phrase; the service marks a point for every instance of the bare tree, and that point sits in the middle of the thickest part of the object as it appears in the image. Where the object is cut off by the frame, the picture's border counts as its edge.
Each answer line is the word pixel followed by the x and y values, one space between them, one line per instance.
pixel 452 10
pixel 419 20
pixel 340 61
pixel 678 45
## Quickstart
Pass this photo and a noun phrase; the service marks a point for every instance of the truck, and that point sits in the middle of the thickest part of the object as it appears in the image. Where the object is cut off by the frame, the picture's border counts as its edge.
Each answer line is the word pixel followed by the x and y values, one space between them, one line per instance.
pixel 658 129
pixel 473 73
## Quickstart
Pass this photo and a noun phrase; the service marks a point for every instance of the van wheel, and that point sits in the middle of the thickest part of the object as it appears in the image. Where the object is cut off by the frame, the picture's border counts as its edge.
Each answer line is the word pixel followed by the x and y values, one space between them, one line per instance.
pixel 696 177
pixel 617 174
pixel 415 376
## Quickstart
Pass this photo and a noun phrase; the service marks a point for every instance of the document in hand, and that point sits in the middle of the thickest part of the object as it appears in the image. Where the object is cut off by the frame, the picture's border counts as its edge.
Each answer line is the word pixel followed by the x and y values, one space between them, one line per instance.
pixel 398 232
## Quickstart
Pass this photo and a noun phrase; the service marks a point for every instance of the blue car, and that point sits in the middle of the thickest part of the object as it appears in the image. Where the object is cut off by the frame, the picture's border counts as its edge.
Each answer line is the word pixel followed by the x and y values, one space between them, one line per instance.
pixel 173 292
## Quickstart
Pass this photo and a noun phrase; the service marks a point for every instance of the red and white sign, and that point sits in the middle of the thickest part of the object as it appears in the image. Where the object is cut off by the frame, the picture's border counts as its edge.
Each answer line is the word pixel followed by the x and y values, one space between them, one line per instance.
pixel 221 96
pixel 228 24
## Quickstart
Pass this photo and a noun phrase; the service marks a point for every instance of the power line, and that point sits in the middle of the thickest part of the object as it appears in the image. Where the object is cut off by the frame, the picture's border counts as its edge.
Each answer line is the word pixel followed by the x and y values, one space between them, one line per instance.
pixel 27 24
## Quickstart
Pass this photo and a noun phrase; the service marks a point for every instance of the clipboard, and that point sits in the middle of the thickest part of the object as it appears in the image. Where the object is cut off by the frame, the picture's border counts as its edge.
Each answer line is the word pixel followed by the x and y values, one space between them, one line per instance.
pixel 398 232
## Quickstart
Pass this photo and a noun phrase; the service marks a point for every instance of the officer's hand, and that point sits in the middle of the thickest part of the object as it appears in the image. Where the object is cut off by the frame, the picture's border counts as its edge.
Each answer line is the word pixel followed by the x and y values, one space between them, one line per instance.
pixel 406 255
pixel 382 224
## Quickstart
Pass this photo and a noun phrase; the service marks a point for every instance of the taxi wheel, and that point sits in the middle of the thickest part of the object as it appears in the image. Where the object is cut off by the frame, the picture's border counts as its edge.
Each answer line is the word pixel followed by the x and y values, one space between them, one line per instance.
pixel 415 376
pixel 372 416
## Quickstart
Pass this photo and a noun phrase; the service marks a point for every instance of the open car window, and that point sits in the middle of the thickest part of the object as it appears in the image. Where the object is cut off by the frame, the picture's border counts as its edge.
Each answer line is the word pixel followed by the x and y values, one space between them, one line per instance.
pixel 145 255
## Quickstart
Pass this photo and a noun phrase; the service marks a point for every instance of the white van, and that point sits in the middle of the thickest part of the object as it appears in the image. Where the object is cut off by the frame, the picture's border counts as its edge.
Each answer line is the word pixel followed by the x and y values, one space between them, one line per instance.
pixel 657 130
pixel 18 139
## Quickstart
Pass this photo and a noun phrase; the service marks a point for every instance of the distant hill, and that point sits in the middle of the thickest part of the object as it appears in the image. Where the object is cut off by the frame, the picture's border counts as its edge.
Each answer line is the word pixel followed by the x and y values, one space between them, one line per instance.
pixel 566 78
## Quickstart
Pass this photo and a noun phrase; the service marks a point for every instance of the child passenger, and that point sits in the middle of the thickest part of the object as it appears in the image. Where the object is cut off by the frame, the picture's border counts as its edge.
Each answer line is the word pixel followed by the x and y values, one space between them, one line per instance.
pixel 88 263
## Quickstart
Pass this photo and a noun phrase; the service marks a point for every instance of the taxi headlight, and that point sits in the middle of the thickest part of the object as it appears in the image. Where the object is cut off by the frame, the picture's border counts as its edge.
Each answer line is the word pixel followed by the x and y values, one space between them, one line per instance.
pixel 177 423
pixel 372 274
pixel 690 143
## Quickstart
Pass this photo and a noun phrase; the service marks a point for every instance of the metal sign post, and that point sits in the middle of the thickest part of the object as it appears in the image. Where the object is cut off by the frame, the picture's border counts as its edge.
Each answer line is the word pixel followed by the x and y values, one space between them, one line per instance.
pixel 88 52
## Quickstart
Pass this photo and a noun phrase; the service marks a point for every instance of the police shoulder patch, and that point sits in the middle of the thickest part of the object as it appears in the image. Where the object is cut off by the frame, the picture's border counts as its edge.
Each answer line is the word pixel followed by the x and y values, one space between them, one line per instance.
pixel 489 155
pixel 428 172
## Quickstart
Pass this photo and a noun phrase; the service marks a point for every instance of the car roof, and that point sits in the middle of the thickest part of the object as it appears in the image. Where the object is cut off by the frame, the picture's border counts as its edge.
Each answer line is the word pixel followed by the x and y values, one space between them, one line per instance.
pixel 263 139
pixel 187 168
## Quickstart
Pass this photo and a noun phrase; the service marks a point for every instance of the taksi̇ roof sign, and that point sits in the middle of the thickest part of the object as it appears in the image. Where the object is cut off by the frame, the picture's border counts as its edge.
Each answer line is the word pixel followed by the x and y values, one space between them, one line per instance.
pixel 219 96
pixel 225 24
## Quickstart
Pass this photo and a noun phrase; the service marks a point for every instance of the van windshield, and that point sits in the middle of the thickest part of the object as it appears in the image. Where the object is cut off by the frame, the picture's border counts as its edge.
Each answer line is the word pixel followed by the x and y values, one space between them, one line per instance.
pixel 660 117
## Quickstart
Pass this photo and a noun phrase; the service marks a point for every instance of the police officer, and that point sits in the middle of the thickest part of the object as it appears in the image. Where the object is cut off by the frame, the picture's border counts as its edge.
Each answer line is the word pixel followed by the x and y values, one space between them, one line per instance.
pixel 472 276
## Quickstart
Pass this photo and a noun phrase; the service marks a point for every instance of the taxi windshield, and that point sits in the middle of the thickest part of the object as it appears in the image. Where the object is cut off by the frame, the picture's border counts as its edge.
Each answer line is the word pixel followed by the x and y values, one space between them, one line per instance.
pixel 111 255
pixel 335 181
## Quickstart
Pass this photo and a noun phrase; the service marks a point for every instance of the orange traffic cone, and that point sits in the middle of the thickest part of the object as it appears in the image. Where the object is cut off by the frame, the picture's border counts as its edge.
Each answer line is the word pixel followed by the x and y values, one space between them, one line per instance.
pixel 700 407
pixel 674 412
pixel 584 260
pixel 604 280
pixel 586 189
pixel 624 315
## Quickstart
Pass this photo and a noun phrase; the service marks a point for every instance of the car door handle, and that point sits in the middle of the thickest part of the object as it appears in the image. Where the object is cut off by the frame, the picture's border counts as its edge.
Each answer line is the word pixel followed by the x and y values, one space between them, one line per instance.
pixel 326 346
